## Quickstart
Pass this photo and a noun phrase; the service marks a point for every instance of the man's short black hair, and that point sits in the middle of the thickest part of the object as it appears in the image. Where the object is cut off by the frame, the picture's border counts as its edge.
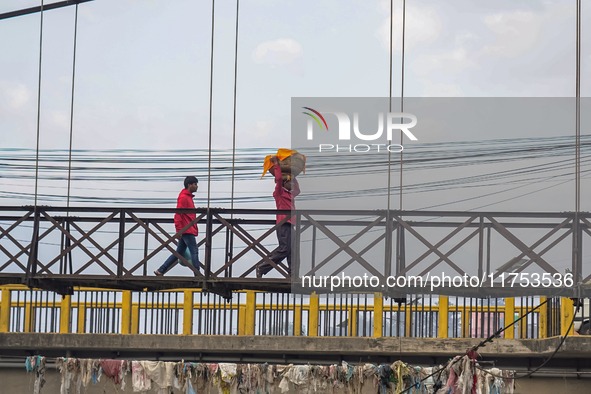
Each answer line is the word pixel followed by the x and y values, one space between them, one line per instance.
pixel 190 180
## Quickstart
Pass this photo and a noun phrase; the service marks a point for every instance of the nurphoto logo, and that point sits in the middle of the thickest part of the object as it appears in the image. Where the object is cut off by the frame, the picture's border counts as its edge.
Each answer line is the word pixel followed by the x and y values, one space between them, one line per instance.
pixel 394 121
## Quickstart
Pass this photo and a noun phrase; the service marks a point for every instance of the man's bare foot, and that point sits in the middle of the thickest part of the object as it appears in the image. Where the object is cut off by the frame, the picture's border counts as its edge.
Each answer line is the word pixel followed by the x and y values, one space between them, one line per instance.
pixel 157 273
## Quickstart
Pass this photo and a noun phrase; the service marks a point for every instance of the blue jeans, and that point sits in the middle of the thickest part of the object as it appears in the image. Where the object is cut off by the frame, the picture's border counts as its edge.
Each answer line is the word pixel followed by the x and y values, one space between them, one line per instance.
pixel 188 240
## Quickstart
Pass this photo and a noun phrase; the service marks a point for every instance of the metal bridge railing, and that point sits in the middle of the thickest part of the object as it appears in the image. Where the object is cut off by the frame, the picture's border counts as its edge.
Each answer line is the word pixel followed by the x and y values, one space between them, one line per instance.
pixel 193 312
pixel 52 246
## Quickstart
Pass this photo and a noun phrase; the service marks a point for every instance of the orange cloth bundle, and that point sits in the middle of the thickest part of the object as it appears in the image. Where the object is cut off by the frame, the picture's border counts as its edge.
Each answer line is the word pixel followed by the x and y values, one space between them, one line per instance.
pixel 282 154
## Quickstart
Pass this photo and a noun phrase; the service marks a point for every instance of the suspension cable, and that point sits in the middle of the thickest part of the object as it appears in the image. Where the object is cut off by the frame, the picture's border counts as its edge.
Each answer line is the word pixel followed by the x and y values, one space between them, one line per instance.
pixel 390 99
pixel 210 103
pixel 38 107
pixel 234 120
pixel 72 107
pixel 402 92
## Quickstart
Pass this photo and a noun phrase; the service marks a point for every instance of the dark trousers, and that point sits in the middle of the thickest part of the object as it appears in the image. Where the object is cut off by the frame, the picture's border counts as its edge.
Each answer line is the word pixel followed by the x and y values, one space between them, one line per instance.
pixel 186 241
pixel 282 251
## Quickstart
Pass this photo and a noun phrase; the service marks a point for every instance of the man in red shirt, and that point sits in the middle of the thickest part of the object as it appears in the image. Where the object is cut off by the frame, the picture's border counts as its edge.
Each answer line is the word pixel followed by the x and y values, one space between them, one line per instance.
pixel 184 200
pixel 286 190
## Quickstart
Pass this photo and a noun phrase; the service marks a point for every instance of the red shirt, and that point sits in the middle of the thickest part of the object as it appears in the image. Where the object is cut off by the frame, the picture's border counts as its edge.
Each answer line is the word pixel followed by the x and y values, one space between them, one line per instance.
pixel 185 200
pixel 284 199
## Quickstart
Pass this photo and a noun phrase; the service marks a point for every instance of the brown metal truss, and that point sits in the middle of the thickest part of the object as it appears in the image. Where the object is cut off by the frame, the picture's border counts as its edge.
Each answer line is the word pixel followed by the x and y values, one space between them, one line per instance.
pixel 99 238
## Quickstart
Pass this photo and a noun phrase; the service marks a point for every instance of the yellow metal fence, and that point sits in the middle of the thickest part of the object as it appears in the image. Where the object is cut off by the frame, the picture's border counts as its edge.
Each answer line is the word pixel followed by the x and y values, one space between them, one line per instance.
pixel 191 312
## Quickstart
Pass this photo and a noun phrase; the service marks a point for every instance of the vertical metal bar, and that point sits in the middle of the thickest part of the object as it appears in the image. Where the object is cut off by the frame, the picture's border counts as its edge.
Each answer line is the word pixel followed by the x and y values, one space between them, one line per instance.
pixel 263 318
pixel 488 270
pixel 146 242
pixel 208 236
pixel 107 314
pixel 388 245
pixel 121 248
pixel 365 317
pixel 200 311
pixel 313 258
pixel 62 248
pixel 481 247
pixel 32 263
pixel 295 269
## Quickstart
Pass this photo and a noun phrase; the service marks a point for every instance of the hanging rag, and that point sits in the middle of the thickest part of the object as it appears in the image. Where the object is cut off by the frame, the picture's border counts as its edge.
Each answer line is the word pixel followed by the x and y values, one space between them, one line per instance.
pixel 111 368
pixel 36 364
pixel 161 373
pixel 139 379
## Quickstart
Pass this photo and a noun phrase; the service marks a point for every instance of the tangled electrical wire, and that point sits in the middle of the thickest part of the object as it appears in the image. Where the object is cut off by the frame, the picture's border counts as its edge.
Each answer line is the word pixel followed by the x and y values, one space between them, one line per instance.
pixel 547 160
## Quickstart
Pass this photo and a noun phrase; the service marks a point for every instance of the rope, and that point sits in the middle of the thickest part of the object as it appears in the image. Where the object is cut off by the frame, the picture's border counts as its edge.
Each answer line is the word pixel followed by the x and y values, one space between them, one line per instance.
pixel 234 120
pixel 72 107
pixel 210 103
pixel 38 107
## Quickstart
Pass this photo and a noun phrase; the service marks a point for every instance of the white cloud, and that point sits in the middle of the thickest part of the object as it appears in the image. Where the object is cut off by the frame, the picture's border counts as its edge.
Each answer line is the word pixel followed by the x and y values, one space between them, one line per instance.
pixel 454 61
pixel 422 26
pixel 263 128
pixel 516 32
pixel 283 51
pixel 61 119
pixel 15 95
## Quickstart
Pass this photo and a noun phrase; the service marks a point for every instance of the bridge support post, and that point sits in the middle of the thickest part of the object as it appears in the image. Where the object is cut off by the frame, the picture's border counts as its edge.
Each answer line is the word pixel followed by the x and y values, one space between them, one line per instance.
pixel 509 317
pixel 378 315
pixel 250 312
pixel 188 312
pixel 65 308
pixel 566 315
pixel 443 316
pixel 81 317
pixel 126 312
pixel 313 315
pixel 5 310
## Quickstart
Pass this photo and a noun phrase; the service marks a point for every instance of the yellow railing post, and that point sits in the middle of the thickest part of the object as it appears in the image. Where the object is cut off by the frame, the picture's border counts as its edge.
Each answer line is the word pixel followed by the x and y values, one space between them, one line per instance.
pixel 65 308
pixel 188 312
pixel 135 318
pixel 543 310
pixel 313 315
pixel 250 312
pixel 378 315
pixel 407 320
pixel 443 316
pixel 126 312
pixel 81 317
pixel 29 316
pixel 509 317
pixel 566 315
pixel 297 320
pixel 5 311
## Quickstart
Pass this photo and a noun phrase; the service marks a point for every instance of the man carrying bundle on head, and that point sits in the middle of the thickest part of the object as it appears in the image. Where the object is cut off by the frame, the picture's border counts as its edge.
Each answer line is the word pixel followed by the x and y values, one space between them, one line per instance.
pixel 286 190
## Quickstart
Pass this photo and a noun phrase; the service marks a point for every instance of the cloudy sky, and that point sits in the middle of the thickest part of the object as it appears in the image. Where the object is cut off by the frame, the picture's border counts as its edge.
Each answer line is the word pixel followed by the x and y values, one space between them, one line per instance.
pixel 143 67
